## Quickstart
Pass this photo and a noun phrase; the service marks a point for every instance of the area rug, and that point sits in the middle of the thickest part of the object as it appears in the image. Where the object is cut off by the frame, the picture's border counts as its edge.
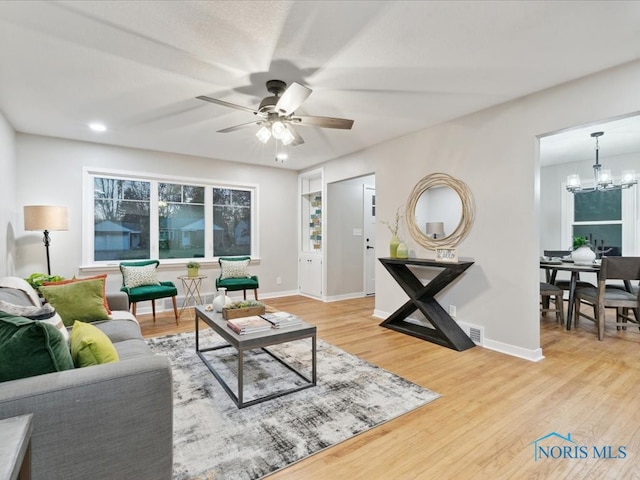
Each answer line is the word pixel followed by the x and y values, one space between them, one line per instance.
pixel 215 439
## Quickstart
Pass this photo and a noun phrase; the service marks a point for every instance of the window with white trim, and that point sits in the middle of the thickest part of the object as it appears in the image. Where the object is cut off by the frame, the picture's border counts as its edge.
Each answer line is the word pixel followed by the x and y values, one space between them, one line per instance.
pixel 607 218
pixel 137 218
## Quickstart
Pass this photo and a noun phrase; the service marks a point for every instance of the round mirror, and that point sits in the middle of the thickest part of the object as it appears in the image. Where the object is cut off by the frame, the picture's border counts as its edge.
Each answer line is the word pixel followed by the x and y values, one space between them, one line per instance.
pixel 439 211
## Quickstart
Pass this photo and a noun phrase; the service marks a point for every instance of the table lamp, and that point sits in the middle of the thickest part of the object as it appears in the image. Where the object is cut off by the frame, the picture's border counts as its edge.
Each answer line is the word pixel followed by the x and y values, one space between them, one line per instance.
pixel 435 229
pixel 47 218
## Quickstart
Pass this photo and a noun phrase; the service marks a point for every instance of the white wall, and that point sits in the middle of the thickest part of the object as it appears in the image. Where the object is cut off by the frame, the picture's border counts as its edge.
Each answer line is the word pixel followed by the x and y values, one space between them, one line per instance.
pixel 8 208
pixel 50 171
pixel 495 152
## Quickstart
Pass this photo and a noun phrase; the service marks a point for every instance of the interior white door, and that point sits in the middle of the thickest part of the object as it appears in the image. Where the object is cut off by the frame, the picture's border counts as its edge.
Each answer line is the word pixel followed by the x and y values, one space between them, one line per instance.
pixel 369 223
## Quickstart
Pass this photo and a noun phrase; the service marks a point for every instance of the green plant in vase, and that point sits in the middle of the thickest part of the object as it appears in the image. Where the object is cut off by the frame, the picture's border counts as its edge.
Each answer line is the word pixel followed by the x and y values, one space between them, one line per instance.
pixel 395 241
pixel 582 253
pixel 193 268
pixel 580 242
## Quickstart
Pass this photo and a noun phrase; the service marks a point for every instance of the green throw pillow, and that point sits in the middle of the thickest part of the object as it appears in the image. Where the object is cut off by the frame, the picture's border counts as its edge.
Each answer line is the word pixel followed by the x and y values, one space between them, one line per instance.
pixel 91 346
pixel 77 301
pixel 29 348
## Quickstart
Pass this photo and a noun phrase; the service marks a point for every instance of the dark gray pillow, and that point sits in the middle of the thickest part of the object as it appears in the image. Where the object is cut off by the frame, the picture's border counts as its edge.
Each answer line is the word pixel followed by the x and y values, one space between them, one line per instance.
pixel 44 312
pixel 15 296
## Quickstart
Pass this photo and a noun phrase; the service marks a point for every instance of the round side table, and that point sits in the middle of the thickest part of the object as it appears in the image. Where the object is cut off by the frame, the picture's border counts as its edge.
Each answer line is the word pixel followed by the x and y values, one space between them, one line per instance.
pixel 191 286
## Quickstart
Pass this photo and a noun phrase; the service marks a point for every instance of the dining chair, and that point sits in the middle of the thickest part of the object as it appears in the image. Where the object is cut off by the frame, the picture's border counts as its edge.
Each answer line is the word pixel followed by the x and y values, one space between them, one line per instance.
pixel 547 291
pixel 608 296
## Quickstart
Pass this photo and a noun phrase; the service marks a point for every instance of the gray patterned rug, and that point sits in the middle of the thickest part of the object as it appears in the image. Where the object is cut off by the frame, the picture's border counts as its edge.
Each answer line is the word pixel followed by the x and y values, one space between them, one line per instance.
pixel 215 439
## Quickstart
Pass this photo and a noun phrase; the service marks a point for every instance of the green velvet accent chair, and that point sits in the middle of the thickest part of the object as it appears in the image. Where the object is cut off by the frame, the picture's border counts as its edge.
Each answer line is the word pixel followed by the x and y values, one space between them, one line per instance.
pixel 240 283
pixel 151 293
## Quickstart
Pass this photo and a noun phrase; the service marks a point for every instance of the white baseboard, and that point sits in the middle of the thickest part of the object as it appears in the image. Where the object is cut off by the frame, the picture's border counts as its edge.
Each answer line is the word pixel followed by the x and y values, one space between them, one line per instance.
pixel 534 355
pixel 347 296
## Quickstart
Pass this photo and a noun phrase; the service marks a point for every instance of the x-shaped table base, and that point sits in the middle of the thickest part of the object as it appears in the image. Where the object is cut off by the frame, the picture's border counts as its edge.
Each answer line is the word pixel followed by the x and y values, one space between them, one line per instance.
pixel 445 331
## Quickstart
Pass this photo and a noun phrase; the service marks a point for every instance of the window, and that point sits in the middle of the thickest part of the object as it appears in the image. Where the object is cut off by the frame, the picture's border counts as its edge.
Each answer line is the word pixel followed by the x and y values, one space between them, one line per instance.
pixel 606 218
pixel 120 219
pixel 180 221
pixel 598 217
pixel 231 222
pixel 138 218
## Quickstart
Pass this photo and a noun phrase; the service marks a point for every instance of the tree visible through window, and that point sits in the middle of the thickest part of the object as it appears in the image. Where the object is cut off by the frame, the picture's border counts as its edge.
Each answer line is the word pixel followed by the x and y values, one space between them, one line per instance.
pixel 231 222
pixel 152 218
pixel 121 219
pixel 181 220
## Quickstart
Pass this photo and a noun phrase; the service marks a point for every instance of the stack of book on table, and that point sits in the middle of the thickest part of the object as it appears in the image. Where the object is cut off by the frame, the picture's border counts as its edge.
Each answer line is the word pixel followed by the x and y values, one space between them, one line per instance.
pixel 246 325
pixel 281 319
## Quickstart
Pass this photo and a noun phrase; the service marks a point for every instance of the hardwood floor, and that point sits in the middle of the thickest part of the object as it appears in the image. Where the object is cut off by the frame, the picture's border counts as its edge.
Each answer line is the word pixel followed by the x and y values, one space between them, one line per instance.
pixel 493 406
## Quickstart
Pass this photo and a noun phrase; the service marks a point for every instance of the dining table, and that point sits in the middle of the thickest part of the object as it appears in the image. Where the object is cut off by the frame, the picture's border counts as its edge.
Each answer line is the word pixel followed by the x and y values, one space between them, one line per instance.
pixel 566 265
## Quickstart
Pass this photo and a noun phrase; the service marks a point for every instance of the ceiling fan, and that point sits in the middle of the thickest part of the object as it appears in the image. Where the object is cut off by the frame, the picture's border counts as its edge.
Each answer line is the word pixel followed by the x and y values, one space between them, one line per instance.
pixel 277 114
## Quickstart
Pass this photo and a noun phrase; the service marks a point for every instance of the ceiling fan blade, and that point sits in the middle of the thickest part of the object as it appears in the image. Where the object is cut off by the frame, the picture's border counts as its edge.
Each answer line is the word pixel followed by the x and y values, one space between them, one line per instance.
pixel 297 139
pixel 227 104
pixel 292 98
pixel 324 122
pixel 237 127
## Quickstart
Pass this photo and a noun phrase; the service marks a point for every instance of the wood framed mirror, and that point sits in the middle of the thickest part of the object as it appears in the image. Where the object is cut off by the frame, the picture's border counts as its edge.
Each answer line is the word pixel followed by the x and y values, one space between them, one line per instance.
pixel 444 203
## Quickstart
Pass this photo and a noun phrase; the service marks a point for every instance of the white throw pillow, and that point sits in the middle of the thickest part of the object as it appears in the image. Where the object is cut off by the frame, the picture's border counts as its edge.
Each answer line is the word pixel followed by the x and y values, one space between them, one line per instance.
pixel 234 269
pixel 56 321
pixel 139 276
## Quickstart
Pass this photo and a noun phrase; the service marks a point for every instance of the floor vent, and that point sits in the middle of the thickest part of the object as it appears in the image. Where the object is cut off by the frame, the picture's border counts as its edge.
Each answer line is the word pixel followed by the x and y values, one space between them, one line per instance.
pixel 475 334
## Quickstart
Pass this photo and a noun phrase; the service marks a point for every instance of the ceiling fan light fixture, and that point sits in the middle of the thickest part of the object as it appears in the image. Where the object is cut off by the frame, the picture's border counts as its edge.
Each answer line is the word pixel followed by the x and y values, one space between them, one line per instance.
pixel 264 134
pixel 287 137
pixel 277 129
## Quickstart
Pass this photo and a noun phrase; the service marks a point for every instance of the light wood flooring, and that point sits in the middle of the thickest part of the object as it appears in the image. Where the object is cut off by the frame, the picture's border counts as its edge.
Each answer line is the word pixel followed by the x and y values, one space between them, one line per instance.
pixel 493 406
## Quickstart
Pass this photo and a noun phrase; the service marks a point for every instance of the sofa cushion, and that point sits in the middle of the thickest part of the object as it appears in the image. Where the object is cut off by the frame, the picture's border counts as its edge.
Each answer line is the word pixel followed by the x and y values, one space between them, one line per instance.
pixel 130 349
pixel 119 330
pixel 136 276
pixel 90 346
pixel 96 277
pixel 29 348
pixel 77 301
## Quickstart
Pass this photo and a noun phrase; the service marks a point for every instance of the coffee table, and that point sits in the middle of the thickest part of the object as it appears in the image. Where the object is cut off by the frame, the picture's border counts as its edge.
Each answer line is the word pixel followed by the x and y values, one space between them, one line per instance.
pixel 261 340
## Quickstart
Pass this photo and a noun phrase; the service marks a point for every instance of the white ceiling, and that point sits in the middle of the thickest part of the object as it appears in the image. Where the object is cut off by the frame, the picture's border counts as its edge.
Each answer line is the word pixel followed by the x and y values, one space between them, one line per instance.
pixel 394 67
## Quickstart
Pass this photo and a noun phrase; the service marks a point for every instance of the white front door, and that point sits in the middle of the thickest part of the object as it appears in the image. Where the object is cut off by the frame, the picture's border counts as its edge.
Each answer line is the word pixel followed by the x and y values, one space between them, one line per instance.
pixel 369 240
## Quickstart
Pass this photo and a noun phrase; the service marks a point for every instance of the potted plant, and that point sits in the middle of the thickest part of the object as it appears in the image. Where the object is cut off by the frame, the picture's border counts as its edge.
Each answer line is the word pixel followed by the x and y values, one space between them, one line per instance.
pixel 192 269
pixel 582 253
pixel 37 279
pixel 395 241
pixel 244 308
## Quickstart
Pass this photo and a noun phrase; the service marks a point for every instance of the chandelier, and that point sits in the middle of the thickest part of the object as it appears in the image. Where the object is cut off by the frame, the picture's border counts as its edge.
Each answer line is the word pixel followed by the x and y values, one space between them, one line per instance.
pixel 602 177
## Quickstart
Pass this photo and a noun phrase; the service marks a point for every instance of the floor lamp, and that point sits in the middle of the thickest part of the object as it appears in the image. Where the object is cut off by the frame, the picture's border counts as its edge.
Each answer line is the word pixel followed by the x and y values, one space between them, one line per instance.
pixel 46 218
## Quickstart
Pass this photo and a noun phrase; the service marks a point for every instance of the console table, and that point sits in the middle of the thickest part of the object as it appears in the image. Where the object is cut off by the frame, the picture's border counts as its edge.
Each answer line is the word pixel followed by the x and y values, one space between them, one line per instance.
pixel 445 331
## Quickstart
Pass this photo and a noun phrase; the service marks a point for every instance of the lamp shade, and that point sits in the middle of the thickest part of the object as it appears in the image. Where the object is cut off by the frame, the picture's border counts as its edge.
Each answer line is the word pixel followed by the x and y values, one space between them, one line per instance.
pixel 45 217
pixel 435 228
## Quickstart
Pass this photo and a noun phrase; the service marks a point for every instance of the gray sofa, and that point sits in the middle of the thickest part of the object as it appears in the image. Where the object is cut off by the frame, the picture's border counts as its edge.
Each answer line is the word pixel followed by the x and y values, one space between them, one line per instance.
pixel 110 421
